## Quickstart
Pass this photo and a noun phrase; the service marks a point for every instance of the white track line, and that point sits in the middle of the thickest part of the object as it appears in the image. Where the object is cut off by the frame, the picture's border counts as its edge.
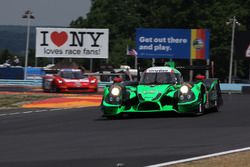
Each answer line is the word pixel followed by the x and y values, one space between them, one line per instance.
pixel 14 113
pixel 55 109
pixel 199 158
pixel 1 115
pixel 37 111
pixel 29 112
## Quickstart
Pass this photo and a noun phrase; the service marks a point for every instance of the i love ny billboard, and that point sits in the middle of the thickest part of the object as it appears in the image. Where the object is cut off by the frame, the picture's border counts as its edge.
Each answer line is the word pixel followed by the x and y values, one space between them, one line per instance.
pixel 72 43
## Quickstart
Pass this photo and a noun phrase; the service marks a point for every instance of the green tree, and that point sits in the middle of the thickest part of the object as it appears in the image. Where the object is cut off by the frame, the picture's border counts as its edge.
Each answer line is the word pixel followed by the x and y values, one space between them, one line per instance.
pixel 5 55
pixel 122 17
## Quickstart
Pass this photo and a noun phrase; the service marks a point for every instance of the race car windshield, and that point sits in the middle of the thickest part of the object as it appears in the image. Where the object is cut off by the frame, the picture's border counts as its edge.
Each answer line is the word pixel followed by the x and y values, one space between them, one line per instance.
pixel 160 78
pixel 71 74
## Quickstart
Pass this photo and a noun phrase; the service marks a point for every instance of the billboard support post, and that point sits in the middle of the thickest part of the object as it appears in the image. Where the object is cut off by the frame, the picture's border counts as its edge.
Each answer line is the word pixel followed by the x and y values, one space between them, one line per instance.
pixel 91 65
pixel 207 71
pixel 153 62
pixel 191 72
pixel 136 62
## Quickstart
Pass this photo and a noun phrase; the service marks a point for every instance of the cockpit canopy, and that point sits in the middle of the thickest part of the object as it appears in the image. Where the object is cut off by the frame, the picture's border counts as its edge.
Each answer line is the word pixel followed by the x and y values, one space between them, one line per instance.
pixel 161 75
pixel 71 74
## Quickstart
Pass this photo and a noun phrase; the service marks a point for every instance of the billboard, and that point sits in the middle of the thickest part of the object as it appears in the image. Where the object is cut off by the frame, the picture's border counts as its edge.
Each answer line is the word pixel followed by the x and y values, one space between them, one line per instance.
pixel 172 43
pixel 242 45
pixel 72 43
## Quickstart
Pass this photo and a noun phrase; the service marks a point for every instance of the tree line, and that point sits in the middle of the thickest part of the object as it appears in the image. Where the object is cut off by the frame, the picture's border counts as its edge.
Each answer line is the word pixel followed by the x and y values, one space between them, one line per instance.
pixel 122 17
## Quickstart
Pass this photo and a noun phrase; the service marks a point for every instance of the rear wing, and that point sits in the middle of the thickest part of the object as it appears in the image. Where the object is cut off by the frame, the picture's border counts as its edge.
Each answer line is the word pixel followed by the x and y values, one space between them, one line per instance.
pixel 196 71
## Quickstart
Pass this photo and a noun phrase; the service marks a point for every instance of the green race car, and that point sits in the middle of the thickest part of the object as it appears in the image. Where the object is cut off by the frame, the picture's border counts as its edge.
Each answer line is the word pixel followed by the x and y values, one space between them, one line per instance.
pixel 161 89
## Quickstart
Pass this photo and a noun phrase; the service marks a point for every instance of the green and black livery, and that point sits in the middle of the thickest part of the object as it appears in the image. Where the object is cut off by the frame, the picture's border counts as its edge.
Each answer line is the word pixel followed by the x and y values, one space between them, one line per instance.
pixel 161 89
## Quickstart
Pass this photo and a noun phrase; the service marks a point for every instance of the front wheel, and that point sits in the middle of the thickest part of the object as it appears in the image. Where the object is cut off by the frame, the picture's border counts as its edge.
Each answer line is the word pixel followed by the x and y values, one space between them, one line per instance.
pixel 114 117
pixel 54 89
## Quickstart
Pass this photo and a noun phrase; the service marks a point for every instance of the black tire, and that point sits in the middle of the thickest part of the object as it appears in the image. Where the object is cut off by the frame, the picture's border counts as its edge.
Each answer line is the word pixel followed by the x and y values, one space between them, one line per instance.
pixel 218 102
pixel 54 89
pixel 216 107
pixel 46 90
pixel 113 117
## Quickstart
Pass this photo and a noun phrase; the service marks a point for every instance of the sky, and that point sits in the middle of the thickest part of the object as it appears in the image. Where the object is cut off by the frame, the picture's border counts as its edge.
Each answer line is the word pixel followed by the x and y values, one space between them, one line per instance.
pixel 46 12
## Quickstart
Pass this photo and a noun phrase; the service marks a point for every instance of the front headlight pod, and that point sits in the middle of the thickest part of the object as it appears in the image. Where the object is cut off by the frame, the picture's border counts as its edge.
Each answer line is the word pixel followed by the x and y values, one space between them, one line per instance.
pixel 115 91
pixel 115 94
pixel 184 89
pixel 185 93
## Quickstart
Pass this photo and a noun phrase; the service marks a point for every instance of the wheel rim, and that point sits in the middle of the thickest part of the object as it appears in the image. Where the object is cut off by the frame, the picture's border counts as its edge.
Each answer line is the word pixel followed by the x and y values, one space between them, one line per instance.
pixel 201 106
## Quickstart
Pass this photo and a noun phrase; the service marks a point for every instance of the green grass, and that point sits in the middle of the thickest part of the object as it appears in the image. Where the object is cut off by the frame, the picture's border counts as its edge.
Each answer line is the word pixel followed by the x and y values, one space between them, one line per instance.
pixel 16 100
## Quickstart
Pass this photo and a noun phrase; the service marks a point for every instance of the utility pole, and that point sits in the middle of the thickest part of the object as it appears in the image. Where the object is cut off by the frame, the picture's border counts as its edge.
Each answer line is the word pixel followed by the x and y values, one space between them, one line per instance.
pixel 234 22
pixel 27 15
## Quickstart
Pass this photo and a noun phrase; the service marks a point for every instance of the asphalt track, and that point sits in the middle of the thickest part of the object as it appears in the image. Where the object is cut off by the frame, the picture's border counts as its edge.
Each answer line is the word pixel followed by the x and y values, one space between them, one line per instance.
pixel 81 137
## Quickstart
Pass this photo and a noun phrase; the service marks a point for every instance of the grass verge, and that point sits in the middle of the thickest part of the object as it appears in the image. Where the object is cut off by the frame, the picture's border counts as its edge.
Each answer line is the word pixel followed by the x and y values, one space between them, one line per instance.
pixel 241 159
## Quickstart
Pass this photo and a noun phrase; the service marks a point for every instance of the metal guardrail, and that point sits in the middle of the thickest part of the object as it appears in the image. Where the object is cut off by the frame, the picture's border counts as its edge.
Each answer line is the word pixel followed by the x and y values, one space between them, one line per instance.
pixel 225 87
pixel 21 82
pixel 233 88
pixel 103 84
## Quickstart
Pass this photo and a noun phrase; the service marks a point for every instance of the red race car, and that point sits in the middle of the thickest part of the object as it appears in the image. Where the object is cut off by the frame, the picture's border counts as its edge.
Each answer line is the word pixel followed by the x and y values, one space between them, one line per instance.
pixel 69 80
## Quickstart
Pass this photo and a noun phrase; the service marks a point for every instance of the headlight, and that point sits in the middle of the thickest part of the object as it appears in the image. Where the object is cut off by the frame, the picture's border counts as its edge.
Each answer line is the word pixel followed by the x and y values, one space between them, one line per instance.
pixel 60 81
pixel 92 81
pixel 184 89
pixel 115 91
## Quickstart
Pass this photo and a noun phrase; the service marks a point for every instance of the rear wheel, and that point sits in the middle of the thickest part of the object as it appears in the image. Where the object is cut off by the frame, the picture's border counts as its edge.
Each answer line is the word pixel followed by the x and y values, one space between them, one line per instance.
pixel 215 107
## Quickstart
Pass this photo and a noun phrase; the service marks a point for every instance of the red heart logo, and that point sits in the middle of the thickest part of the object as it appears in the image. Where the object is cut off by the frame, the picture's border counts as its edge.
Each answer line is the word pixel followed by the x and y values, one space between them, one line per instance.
pixel 59 38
